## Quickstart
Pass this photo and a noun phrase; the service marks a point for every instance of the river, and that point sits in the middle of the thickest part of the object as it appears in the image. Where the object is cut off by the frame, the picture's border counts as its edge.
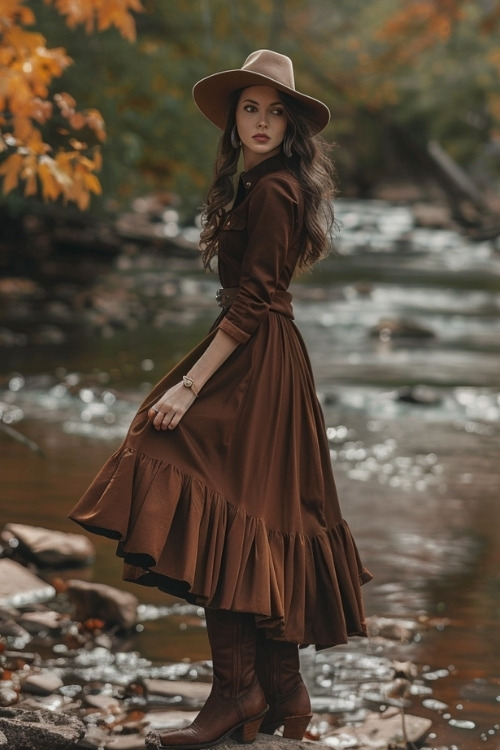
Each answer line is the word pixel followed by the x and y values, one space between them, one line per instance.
pixel 403 332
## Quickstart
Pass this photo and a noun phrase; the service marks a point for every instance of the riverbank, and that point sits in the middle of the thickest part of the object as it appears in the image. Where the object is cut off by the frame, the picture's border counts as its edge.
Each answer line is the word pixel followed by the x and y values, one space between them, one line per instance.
pixel 71 677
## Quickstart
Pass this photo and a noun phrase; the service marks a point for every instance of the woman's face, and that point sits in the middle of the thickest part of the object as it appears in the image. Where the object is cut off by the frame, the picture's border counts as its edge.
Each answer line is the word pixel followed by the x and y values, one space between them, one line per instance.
pixel 261 123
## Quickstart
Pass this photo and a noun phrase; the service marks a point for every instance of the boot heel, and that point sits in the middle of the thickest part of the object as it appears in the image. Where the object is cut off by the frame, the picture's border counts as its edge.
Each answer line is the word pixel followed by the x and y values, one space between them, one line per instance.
pixel 248 731
pixel 294 727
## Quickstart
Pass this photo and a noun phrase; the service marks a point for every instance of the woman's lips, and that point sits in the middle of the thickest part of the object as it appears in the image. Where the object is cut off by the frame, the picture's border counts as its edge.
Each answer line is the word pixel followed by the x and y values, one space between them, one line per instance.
pixel 261 138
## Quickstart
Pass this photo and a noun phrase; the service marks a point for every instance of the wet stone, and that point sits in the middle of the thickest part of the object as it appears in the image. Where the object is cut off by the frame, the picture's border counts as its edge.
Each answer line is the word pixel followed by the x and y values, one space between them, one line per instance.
pixel 97 600
pixel 15 659
pixel 102 702
pixel 95 738
pixel 19 587
pixel 389 328
pixel 12 631
pixel 33 622
pixel 44 683
pixel 434 705
pixel 48 548
pixel 193 693
pixel 380 732
pixel 52 702
pixel 125 742
pixel 8 696
pixel 419 395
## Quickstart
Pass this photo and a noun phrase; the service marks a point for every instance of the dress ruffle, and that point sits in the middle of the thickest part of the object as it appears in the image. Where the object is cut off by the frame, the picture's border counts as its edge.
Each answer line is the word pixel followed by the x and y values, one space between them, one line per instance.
pixel 185 538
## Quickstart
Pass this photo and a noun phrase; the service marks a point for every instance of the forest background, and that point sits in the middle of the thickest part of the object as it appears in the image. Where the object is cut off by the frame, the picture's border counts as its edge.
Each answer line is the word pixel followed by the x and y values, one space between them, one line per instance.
pixel 96 108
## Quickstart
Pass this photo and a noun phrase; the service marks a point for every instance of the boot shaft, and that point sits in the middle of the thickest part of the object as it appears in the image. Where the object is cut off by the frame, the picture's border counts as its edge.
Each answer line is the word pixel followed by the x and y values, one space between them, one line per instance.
pixel 278 670
pixel 232 637
pixel 278 666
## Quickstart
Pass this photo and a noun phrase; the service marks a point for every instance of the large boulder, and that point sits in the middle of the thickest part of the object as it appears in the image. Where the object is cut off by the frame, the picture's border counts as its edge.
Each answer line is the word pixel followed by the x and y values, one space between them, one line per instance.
pixel 48 548
pixel 39 730
pixel 19 586
pixel 102 602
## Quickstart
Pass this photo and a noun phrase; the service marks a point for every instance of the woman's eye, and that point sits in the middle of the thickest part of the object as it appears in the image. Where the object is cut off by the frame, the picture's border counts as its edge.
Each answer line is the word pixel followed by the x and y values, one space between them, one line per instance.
pixel 249 108
pixel 277 111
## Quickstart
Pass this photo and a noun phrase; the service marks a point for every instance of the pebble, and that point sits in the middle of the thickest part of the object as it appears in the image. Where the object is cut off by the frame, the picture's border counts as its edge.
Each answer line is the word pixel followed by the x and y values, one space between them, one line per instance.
pixel 8 696
pixel 104 702
pixel 461 724
pixel 434 705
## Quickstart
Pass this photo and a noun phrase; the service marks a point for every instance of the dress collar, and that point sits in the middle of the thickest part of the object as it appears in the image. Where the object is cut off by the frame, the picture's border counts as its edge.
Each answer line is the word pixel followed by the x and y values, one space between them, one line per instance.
pixel 272 164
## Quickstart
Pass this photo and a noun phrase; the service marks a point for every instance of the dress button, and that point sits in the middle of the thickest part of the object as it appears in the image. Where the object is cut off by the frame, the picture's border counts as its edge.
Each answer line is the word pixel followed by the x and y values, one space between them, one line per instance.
pixel 248 184
pixel 228 223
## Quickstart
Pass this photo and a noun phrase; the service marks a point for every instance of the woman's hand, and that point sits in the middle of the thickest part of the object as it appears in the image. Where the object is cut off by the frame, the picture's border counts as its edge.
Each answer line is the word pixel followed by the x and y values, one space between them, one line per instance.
pixel 168 411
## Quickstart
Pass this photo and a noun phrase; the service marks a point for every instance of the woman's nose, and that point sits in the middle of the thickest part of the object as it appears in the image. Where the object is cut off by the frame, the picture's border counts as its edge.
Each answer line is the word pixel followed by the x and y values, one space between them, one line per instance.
pixel 262 122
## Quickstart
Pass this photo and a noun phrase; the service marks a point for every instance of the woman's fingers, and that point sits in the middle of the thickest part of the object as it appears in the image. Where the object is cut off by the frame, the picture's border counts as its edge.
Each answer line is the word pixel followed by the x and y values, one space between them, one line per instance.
pixel 165 420
pixel 165 415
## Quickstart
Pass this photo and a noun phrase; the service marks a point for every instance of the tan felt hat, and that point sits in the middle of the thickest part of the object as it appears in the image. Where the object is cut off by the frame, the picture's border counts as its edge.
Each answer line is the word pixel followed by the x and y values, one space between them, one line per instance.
pixel 262 68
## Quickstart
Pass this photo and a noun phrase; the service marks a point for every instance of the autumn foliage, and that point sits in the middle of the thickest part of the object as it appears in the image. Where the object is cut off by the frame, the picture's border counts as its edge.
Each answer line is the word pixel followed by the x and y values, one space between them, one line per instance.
pixel 27 106
pixel 427 70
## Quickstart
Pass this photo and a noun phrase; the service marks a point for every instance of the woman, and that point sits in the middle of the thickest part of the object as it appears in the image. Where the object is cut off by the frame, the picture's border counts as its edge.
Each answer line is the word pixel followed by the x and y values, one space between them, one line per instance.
pixel 223 492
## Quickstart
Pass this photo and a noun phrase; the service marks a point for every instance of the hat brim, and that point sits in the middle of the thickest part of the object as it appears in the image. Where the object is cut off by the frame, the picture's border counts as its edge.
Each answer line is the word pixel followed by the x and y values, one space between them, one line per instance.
pixel 212 93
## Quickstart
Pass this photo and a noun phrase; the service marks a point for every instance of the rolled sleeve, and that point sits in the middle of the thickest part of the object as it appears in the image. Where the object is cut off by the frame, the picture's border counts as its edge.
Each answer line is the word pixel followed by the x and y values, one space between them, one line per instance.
pixel 271 223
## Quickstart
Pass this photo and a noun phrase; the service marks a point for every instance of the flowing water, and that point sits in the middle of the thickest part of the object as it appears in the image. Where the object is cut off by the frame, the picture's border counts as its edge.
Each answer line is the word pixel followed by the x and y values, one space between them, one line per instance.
pixel 403 333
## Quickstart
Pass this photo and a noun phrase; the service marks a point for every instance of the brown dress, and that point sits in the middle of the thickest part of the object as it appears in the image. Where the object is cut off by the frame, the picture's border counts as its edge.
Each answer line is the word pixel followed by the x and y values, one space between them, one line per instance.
pixel 236 508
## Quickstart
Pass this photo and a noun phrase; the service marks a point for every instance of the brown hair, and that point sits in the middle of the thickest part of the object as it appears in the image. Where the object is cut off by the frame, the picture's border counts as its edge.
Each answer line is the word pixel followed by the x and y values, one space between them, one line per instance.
pixel 309 162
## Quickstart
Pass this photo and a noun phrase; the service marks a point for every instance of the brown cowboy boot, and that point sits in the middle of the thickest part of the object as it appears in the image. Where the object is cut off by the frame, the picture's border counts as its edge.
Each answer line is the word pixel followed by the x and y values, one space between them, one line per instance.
pixel 236 703
pixel 278 670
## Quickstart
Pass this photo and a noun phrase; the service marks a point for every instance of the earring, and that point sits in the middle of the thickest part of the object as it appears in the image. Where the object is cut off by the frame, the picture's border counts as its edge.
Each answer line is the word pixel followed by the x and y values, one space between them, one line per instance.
pixel 287 145
pixel 235 141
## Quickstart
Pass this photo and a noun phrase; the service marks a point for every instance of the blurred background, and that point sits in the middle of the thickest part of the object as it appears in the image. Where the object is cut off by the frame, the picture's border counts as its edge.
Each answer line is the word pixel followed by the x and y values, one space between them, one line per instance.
pixel 401 322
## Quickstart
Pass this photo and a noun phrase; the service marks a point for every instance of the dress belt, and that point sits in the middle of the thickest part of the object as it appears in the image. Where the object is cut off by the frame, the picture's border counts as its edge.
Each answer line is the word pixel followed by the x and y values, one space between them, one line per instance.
pixel 281 302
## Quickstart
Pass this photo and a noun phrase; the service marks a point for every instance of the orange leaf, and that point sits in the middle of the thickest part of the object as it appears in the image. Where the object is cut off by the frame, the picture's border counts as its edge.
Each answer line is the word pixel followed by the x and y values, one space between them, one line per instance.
pixel 10 169
pixel 51 188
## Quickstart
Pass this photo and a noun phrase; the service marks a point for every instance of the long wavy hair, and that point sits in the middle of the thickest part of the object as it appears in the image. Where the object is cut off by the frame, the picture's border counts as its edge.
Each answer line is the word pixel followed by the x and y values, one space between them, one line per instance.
pixel 309 162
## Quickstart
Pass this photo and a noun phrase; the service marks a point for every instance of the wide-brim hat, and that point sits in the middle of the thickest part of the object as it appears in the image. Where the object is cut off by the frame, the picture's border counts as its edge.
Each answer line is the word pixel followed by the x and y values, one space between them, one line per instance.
pixel 262 68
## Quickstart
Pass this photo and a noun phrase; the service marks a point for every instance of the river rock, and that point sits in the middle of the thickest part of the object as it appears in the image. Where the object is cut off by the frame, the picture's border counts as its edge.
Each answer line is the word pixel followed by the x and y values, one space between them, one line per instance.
pixel 97 600
pixel 19 586
pixel 420 395
pixel 43 683
pixel 14 632
pixel 42 620
pixel 8 696
pixel 191 693
pixel 48 548
pixel 39 730
pixel 125 742
pixel 378 732
pixel 105 703
pixel 393 328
